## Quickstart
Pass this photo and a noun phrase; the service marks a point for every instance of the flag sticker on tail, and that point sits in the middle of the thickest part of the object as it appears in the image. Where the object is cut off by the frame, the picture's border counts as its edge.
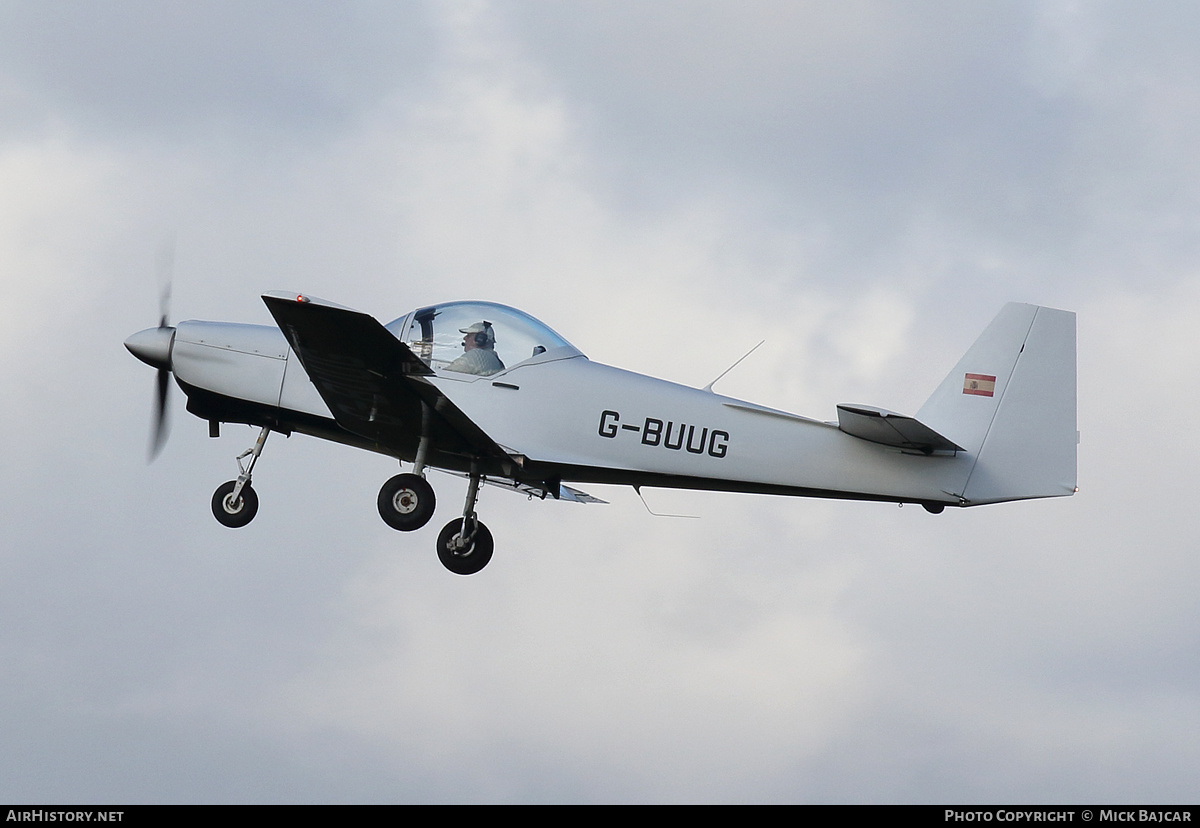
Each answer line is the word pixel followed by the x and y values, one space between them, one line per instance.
pixel 981 385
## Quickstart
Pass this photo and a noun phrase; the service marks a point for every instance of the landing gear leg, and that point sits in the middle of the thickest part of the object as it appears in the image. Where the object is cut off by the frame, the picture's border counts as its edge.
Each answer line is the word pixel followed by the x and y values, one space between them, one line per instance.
pixel 423 445
pixel 406 502
pixel 465 545
pixel 234 504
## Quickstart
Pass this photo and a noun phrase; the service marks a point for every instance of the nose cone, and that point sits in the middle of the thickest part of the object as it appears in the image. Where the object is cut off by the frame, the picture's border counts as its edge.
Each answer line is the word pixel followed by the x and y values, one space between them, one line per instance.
pixel 153 346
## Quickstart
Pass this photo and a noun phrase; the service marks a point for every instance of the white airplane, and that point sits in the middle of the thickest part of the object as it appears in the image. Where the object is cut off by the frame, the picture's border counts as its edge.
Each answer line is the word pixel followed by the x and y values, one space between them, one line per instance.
pixel 489 392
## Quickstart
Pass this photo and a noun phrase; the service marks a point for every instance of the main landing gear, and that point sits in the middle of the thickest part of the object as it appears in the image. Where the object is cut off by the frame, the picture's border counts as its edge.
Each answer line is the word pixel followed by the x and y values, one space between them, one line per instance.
pixel 234 504
pixel 465 545
pixel 465 552
pixel 406 503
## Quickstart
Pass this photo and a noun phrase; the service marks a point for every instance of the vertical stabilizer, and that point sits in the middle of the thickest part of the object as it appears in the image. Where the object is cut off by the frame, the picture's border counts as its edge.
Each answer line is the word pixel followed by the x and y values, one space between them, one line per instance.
pixel 1010 402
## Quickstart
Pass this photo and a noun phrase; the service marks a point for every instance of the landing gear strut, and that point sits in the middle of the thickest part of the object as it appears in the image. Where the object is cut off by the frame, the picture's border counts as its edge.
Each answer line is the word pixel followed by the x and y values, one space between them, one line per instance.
pixel 234 504
pixel 406 502
pixel 465 545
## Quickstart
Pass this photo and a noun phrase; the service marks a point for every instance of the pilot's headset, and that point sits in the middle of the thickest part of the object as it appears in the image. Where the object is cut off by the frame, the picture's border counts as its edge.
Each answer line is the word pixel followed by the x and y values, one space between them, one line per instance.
pixel 485 337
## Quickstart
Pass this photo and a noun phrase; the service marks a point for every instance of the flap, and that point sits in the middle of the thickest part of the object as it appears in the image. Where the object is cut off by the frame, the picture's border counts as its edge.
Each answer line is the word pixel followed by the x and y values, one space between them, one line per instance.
pixel 541 492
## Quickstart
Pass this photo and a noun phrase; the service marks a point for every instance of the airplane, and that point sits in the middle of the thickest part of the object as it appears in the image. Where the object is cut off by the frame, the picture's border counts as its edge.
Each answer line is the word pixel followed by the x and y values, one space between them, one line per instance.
pixel 490 393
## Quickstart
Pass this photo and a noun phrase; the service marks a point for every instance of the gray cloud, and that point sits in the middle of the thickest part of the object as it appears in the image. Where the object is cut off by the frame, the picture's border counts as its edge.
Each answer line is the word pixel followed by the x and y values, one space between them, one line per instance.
pixel 277 71
pixel 862 185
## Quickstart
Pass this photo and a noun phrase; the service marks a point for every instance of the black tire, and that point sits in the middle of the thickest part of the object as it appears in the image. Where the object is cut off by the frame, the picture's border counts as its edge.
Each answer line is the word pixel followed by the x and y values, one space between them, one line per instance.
pixel 934 508
pixel 465 561
pixel 406 502
pixel 234 515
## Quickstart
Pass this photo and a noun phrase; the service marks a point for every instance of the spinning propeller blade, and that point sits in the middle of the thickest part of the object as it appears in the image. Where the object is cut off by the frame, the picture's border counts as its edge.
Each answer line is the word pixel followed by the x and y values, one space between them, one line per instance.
pixel 153 347
pixel 162 426
pixel 165 273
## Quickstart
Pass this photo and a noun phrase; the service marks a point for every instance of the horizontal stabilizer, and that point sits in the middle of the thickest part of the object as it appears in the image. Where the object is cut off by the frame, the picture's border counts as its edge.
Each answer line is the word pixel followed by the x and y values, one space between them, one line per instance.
pixel 878 425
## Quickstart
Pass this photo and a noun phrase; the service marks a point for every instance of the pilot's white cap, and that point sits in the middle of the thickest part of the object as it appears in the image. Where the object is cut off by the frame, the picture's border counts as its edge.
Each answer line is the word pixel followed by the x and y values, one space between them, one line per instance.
pixel 478 327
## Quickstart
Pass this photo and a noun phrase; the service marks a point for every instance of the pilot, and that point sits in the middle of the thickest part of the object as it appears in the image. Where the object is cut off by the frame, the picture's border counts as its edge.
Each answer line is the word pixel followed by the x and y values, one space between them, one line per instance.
pixel 479 351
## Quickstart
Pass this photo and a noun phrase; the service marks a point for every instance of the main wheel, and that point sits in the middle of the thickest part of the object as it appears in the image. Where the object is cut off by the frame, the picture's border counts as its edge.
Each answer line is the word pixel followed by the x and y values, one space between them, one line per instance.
pixel 406 502
pixel 470 559
pixel 230 513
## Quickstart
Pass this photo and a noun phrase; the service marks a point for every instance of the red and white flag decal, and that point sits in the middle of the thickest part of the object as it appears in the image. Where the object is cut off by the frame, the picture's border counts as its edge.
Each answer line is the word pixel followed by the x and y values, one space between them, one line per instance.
pixel 981 385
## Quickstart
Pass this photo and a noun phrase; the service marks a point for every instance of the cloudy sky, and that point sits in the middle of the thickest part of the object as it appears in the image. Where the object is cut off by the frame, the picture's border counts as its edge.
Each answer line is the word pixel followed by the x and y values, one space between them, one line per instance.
pixel 862 184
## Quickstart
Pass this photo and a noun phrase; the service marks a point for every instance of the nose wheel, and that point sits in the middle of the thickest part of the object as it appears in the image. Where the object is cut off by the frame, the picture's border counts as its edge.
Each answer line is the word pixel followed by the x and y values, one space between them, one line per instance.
pixel 234 511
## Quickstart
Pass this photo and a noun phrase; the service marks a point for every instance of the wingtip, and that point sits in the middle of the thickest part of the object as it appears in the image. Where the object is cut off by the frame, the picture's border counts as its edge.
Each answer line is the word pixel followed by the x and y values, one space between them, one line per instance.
pixel 293 297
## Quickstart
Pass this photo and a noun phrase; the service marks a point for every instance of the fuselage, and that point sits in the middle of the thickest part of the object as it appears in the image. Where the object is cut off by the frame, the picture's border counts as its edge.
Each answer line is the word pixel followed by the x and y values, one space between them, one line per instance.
pixel 577 420
pixel 603 424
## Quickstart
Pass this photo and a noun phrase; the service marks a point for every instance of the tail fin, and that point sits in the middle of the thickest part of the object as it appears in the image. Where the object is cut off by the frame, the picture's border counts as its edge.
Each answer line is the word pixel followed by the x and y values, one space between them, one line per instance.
pixel 1010 402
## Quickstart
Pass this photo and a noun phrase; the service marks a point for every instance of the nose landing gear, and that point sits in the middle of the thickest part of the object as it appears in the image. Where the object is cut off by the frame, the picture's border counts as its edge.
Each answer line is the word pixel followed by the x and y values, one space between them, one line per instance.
pixel 234 504
pixel 234 511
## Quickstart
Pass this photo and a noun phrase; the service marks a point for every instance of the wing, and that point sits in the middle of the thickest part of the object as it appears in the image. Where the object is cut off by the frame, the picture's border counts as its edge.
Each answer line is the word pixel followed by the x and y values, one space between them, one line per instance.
pixel 374 385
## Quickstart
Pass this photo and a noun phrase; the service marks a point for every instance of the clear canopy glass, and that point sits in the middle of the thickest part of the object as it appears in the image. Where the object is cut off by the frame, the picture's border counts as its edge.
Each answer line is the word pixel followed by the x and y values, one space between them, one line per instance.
pixel 472 339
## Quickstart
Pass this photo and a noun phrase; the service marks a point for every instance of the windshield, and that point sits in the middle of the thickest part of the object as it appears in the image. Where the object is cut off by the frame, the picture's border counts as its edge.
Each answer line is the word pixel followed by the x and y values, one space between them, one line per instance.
pixel 479 338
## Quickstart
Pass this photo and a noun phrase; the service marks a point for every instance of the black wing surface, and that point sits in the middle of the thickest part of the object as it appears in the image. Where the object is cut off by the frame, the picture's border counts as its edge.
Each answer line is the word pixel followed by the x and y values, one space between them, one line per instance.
pixel 374 384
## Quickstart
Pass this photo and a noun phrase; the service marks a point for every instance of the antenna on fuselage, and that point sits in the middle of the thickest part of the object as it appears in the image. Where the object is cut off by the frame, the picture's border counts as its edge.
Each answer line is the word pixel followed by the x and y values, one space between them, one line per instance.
pixel 709 387
pixel 638 489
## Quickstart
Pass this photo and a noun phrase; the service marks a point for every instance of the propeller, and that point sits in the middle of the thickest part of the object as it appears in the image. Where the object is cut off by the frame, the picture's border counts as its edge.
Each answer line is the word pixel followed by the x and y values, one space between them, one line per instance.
pixel 165 272
pixel 153 347
pixel 162 428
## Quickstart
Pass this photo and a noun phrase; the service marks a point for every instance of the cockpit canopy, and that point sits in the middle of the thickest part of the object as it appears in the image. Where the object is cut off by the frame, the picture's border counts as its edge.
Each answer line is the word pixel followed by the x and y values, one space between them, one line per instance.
pixel 470 339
